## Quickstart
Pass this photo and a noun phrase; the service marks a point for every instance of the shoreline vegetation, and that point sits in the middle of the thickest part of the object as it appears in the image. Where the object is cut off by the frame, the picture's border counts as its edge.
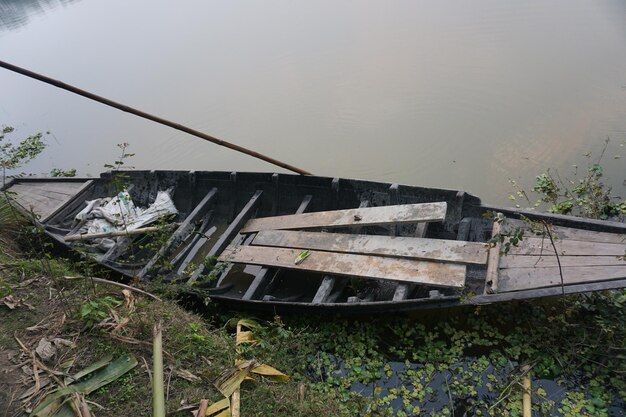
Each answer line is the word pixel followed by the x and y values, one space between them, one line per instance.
pixel 93 342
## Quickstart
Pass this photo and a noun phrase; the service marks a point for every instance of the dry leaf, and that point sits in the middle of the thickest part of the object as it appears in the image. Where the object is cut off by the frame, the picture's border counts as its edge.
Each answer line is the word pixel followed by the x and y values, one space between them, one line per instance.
pixel 186 375
pixel 12 302
pixel 45 349
pixel 58 342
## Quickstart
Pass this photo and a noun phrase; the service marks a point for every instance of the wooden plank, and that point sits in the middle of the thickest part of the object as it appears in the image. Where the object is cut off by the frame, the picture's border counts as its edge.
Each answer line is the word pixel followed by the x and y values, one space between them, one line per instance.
pixel 231 231
pixel 329 282
pixel 568 233
pixel 424 272
pixel 543 246
pixel 262 279
pixel 39 204
pixel 36 195
pixel 65 188
pixel 491 278
pixel 180 233
pixel 515 279
pixel 546 292
pixel 78 193
pixel 531 261
pixel 404 247
pixel 195 248
pixel 552 218
pixel 370 216
pixel 403 289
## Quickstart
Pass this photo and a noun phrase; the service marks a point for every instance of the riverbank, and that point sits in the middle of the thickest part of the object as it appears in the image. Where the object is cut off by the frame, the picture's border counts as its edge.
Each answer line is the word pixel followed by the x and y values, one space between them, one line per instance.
pixel 436 363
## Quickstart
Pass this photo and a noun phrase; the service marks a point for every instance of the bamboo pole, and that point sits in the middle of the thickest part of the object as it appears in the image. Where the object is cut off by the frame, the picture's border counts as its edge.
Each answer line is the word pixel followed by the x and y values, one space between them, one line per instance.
pixel 158 391
pixel 116 233
pixel 148 116
pixel 526 391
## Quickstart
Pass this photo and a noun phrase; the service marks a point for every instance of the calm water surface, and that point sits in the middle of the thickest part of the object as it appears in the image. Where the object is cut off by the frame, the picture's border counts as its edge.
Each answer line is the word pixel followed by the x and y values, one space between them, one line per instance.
pixel 450 94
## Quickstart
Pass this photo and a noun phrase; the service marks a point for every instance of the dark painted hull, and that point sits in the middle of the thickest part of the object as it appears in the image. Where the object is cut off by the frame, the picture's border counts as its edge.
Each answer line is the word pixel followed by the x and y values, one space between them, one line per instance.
pixel 241 196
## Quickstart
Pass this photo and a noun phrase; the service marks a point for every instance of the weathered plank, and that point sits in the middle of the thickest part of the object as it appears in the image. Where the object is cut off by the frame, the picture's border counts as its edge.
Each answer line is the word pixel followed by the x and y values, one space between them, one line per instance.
pixel 403 289
pixel 370 216
pixel 569 233
pixel 231 231
pixel 40 201
pixel 395 269
pixel 491 278
pixel 515 279
pixel 543 246
pixel 79 192
pixel 181 233
pixel 404 247
pixel 536 261
pixel 65 188
pixel 262 279
pixel 329 282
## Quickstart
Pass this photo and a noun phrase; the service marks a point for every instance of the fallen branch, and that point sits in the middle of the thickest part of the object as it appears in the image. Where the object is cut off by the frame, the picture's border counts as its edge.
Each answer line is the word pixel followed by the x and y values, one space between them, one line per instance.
pixel 116 233
pixel 106 281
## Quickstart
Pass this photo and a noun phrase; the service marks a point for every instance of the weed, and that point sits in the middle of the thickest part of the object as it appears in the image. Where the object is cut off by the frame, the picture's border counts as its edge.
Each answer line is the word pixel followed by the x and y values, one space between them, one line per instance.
pixel 97 309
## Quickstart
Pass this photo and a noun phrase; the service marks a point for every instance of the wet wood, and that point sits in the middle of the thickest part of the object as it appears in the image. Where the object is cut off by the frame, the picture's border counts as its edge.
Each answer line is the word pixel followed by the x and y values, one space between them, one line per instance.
pixel 515 279
pixel 395 269
pixel 404 247
pixel 401 214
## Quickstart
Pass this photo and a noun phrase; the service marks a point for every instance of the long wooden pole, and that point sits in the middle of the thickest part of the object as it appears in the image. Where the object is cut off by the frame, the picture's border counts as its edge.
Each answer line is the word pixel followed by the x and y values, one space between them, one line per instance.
pixel 148 116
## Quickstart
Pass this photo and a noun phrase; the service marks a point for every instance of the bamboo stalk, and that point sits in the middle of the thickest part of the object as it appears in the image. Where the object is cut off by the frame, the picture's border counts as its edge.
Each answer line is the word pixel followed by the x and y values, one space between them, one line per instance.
pixel 148 116
pixel 235 403
pixel 204 404
pixel 116 233
pixel 158 392
pixel 527 390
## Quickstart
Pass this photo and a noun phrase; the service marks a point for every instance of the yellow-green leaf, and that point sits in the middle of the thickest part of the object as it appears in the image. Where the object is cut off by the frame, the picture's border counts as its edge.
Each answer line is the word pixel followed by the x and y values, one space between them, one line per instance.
pixel 232 378
pixel 270 373
pixel 218 406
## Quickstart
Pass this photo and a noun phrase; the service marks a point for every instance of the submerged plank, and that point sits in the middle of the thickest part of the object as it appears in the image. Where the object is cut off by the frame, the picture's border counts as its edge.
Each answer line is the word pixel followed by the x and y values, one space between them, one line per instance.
pixel 515 279
pixel 405 247
pixel 407 213
pixel 543 246
pixel 431 273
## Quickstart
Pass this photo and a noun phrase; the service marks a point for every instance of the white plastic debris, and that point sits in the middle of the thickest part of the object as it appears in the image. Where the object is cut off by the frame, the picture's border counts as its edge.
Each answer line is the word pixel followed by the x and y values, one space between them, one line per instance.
pixel 120 213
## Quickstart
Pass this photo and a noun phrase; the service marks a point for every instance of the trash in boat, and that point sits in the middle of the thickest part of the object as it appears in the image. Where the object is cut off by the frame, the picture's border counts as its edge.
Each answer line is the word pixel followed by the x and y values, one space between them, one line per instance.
pixel 118 214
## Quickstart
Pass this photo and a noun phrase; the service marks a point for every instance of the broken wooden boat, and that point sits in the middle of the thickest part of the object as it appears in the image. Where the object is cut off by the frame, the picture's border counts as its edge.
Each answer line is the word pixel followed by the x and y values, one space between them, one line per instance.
pixel 290 242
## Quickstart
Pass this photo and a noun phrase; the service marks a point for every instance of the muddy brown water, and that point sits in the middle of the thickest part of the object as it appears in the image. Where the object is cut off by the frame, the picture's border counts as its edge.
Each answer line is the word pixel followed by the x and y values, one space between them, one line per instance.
pixel 461 95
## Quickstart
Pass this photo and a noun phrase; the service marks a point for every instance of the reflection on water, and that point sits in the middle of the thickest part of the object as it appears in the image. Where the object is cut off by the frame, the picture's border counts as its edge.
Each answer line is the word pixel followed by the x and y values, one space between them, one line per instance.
pixel 16 13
